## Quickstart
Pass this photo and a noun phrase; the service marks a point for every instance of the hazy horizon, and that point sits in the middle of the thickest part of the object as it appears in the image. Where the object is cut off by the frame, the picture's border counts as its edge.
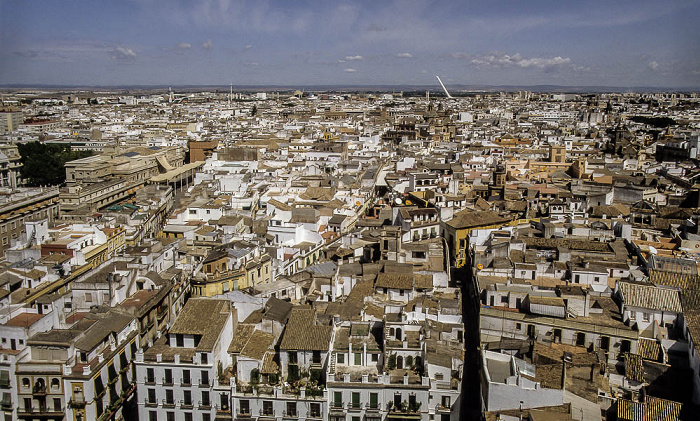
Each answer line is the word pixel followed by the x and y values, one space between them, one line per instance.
pixel 349 43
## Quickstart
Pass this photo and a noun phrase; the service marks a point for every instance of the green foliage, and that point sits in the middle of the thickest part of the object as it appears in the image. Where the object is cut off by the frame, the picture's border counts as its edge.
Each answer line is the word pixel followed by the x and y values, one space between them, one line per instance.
pixel 391 364
pixel 272 378
pixel 293 374
pixel 654 121
pixel 409 361
pixel 254 376
pixel 315 375
pixel 44 164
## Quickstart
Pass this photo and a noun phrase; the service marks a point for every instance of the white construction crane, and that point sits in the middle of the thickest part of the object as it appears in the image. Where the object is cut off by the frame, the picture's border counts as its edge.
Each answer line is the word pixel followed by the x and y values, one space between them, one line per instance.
pixel 443 87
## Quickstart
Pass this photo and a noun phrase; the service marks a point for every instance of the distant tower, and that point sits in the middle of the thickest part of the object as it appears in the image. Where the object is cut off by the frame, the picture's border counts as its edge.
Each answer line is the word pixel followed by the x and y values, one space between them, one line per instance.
pixel 170 90
pixel 427 95
pixel 230 94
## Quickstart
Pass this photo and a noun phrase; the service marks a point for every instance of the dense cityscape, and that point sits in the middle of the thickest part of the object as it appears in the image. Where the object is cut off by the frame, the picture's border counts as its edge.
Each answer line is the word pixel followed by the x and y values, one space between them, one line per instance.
pixel 288 255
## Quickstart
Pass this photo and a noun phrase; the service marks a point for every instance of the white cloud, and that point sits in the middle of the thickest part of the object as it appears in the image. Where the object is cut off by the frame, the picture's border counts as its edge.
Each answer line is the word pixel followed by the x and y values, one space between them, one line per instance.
pixel 404 55
pixel 516 60
pixel 207 45
pixel 248 47
pixel 183 46
pixel 460 56
pixel 123 53
pixel 654 65
pixel 350 70
pixel 354 58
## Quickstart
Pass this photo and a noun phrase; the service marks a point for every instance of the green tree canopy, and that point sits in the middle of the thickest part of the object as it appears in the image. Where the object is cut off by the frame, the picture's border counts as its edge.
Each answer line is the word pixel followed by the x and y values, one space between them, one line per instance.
pixel 43 164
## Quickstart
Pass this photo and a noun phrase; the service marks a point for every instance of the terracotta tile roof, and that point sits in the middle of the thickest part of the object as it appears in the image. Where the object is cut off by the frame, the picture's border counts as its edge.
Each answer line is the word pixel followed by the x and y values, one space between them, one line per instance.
pixel 269 365
pixel 634 370
pixel 240 337
pixel 258 345
pixel 394 281
pixel 652 409
pixel 205 317
pixel 649 349
pixel 649 296
pixel 303 334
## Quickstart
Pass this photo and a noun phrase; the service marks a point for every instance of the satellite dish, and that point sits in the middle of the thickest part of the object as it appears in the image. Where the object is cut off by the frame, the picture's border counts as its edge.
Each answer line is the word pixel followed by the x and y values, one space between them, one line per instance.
pixel 398 201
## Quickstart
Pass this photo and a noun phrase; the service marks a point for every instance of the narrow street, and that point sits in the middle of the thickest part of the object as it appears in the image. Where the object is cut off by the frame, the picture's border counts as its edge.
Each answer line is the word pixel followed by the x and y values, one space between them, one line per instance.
pixel 471 395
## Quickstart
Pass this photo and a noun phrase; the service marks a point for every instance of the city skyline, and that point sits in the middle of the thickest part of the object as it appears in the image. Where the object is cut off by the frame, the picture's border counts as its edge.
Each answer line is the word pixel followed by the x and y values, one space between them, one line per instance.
pixel 350 43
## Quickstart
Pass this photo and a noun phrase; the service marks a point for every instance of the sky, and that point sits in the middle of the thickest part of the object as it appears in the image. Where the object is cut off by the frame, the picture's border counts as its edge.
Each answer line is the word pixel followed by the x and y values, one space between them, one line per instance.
pixel 304 43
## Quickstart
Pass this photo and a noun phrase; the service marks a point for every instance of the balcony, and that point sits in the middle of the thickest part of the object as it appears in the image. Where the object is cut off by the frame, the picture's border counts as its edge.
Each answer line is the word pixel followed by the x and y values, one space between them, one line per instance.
pixel 186 404
pixel 149 380
pixel 205 405
pixel 374 407
pixel 290 415
pixel 39 390
pixel 151 404
pixel 77 401
pixel 185 382
pixel 167 381
pixel 243 412
pixel 168 404
pixel 267 412
pixel 442 408
pixel 354 406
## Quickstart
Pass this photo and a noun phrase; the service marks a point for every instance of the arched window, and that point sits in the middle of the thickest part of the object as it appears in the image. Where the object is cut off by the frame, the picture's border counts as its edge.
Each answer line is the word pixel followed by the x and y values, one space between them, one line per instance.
pixel 55 384
pixel 26 382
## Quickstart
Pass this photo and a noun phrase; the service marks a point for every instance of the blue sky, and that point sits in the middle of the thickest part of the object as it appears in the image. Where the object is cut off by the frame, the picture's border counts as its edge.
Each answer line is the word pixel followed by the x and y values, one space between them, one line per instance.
pixel 612 43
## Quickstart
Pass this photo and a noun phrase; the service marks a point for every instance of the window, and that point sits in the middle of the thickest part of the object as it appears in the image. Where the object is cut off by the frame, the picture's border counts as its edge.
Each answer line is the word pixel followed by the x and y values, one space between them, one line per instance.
pixel 374 400
pixel 315 410
pixel 188 416
pixel 356 400
pixel 193 211
pixel 205 378
pixel 518 326
pixel 292 357
pixel 170 416
pixel 179 341
pixel 244 406
pixel 341 358
pixel 445 402
pixel 205 398
pixel 633 315
pixel 186 377
pixel 577 279
pixel 316 357
pixel 291 409
pixel 337 399
pixel 358 358
pixel 151 396
pixel 375 358
pixel 150 375
pixel 57 407
pixel 204 358
pixel 28 404
pixel 206 417
pixel 267 408
pixel 168 376
pixel 187 397
pixel 152 416
pixel 645 316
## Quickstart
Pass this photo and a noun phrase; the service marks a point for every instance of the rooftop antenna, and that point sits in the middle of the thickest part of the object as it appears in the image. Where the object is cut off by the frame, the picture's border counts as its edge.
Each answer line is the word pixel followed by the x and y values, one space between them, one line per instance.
pixel 443 87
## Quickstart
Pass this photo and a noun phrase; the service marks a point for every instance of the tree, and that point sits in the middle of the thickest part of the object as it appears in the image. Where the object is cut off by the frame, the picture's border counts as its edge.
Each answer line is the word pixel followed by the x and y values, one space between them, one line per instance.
pixel 44 164
pixel 391 364
pixel 254 376
pixel 409 361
